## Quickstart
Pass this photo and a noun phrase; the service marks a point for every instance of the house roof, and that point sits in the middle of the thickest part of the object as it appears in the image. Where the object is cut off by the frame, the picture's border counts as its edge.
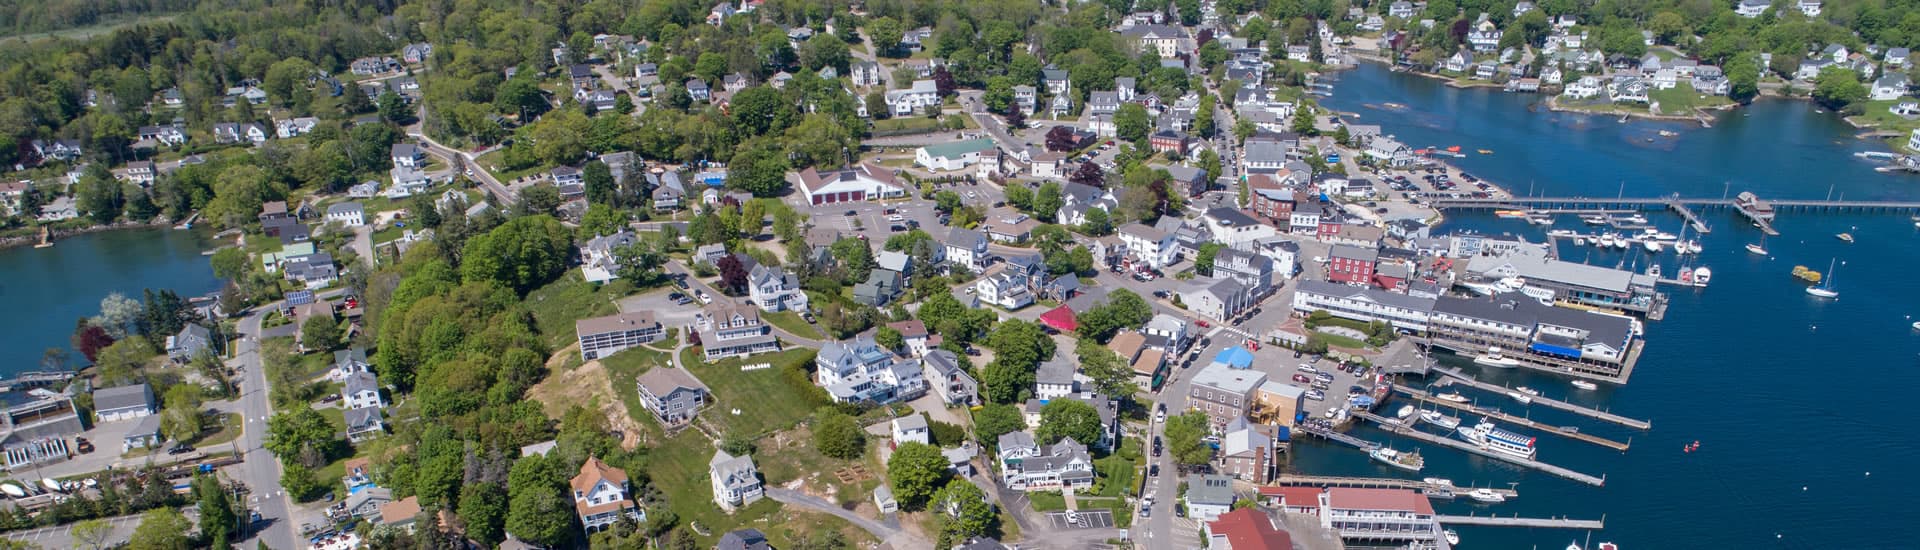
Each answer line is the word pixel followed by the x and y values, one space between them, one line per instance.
pixel 661 381
pixel 1250 529
pixel 1127 343
pixel 1375 295
pixel 123 397
pixel 593 471
pixel 615 323
pixel 1398 500
pixel 1210 489
pixel 966 239
pixel 744 539
pixel 910 329
pixel 958 148
pixel 1237 381
pixel 911 422
pixel 1519 309
pixel 400 511
pixel 363 417
pixel 1060 318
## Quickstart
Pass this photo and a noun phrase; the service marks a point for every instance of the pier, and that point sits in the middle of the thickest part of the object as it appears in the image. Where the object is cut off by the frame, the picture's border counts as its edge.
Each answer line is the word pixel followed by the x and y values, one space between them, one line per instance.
pixel 1397 428
pixel 1763 218
pixel 1430 489
pixel 1496 521
pixel 35 379
pixel 1332 435
pixel 1687 213
pixel 1567 432
pixel 1548 401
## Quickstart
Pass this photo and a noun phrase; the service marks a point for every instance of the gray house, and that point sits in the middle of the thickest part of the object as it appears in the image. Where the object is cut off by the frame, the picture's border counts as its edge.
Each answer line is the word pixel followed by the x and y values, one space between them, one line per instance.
pixel 880 288
pixel 365 423
pixel 948 376
pixel 673 395
pixel 192 340
pixel 123 402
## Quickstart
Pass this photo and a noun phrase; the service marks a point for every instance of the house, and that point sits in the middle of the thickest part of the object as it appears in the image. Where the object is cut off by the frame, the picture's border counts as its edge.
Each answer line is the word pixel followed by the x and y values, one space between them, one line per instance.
pixel 1103 102
pixel 364 423
pixel 399 514
pixel 862 182
pixel 313 270
pixel 954 155
pixel 673 395
pixel 1752 8
pixel 1248 451
pixel 1232 227
pixel 1459 62
pixel 1551 76
pixel 1026 98
pixel 1168 142
pixel 1666 79
pixel 720 13
pixel 1401 9
pixel 1249 528
pixel 774 290
pixel 1810 8
pixel 1628 89
pixel 911 429
pixel 124 402
pixel 348 362
pixel 1164 40
pixel 192 340
pixel 966 248
pixel 728 329
pixel 743 539
pixel 603 336
pixel 1485 37
pixel 366 503
pixel 1399 515
pixel 1389 151
pixel 1364 304
pixel 370 66
pixel 1219 300
pixel 408 155
pixel 361 389
pixel 1026 466
pixel 1913 141
pixel 912 100
pixel 1223 392
pixel 865 73
pixel 167 135
pixel 1208 496
pixel 602 495
pixel 1149 245
pixel 698 90
pixel 1003 289
pixel 347 213
pixel 294 127
pixel 1897 57
pixel 1252 270
pixel 598 261
pixel 1889 87
pixel 416 53
pixel 59 149
pixel 858 369
pixel 880 288
pixel 736 481
pixel 914 334
pixel 667 190
pixel 945 372
pixel 1056 81
pixel 1586 87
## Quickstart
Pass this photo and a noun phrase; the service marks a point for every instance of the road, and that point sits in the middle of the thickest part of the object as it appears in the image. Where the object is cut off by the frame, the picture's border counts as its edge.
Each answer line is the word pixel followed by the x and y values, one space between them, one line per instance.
pixel 477 173
pixel 261 470
pixel 893 537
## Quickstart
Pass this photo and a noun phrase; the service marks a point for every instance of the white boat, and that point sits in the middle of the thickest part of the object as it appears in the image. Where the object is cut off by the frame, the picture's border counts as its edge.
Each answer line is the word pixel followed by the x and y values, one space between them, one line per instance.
pixel 1521 397
pixel 1701 275
pixel 52 485
pixel 1582 241
pixel 1756 249
pixel 1486 495
pixel 1438 419
pixel 1622 242
pixel 1585 385
pixel 1594 219
pixel 1609 546
pixel 1452 537
pixel 1562 233
pixel 1916 325
pixel 1492 358
pixel 1848 237
pixel 1653 271
pixel 1540 220
pixel 1825 290
pixel 1652 246
pixel 1411 462
pixel 1693 247
pixel 1605 240
pixel 1452 396
pixel 13 490
pixel 1492 438
pixel 1406 411
pixel 1575 545
pixel 1440 481
pixel 1633 218
pixel 1528 391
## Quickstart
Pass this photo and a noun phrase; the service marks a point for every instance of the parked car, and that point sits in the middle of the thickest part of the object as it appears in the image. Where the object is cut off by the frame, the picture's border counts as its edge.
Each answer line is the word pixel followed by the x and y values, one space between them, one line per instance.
pixel 1301 378
pixel 1306 368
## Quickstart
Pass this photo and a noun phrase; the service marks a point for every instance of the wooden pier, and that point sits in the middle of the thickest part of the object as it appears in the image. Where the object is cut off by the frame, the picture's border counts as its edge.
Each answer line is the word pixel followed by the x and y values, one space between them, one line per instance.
pixel 1698 225
pixel 1399 429
pixel 1548 401
pixel 1489 412
pixel 1683 206
pixel 1430 489
pixel 1332 435
pixel 1496 521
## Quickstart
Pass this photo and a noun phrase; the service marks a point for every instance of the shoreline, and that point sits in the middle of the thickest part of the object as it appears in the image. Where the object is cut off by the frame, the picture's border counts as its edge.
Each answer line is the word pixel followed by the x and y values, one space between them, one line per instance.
pixel 30 240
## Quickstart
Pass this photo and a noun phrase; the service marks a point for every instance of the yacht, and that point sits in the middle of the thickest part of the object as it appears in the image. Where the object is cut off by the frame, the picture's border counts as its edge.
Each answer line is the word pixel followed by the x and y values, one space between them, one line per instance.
pixel 1453 397
pixel 1453 538
pixel 1493 359
pixel 1406 411
pixel 1438 481
pixel 1701 275
pixel 1524 399
pixel 1756 249
pixel 1539 219
pixel 1441 420
pixel 1825 290
pixel 1632 218
pixel 1594 219
pixel 1605 240
pixel 1411 462
pixel 1585 385
pixel 1562 233
pixel 1653 271
pixel 1528 391
pixel 1652 245
pixel 1492 438
pixel 1486 495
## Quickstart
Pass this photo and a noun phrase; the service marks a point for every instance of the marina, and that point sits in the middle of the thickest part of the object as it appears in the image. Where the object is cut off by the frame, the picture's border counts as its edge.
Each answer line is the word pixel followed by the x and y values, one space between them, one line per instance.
pixel 1398 429
pixel 1496 414
pixel 1429 488
pixel 1497 521
pixel 1461 377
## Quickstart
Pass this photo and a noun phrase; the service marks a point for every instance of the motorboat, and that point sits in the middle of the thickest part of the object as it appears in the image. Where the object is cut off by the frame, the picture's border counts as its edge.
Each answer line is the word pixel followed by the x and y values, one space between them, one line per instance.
pixel 1594 219
pixel 1406 411
pixel 1486 495
pixel 1605 240
pixel 1848 237
pixel 1490 437
pixel 13 490
pixel 1438 481
pixel 1916 325
pixel 1585 385
pixel 1510 213
pixel 1580 241
pixel 1411 461
pixel 1493 358
pixel 1521 397
pixel 1701 275
pixel 1756 249
pixel 1632 218
pixel 1657 235
pixel 52 485
pixel 1575 545
pixel 1453 538
pixel 1562 233
pixel 1453 397
pixel 1693 247
pixel 1653 271
pixel 1539 219
pixel 1528 391
pixel 1622 242
pixel 1441 420
pixel 1652 245
pixel 1609 546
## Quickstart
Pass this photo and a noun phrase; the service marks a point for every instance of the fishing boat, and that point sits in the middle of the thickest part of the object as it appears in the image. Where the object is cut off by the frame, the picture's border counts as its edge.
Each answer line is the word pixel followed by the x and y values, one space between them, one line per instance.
pixel 1453 397
pixel 1585 385
pixel 1490 437
pixel 1801 272
pixel 1652 246
pixel 1701 275
pixel 1411 462
pixel 1486 495
pixel 1524 399
pixel 1825 290
pixel 1438 419
pixel 1453 538
pixel 1406 411
pixel 1493 359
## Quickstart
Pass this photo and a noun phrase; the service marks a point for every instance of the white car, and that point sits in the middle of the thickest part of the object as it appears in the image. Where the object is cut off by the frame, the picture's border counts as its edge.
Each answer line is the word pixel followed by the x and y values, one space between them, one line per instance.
pixel 896 218
pixel 1160 416
pixel 1306 368
pixel 1319 259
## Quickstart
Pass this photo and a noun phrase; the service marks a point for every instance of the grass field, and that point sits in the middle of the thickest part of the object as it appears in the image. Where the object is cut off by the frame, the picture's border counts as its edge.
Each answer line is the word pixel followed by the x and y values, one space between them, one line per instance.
pixel 623 369
pixel 679 468
pixel 791 322
pixel 556 306
pixel 223 428
pixel 1682 99
pixel 1881 117
pixel 767 399
pixel 1117 471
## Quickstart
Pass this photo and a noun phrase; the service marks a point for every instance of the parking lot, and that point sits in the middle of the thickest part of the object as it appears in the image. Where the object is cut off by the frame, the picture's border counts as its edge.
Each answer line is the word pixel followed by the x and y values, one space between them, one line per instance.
pixel 1086 519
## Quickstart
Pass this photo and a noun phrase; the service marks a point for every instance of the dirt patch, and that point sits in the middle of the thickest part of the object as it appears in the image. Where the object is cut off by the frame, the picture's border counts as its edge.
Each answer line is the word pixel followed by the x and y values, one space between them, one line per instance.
pixel 587 384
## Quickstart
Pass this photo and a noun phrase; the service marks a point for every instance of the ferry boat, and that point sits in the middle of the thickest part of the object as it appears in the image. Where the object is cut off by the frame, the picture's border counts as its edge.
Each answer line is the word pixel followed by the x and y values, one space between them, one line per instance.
pixel 1406 411
pixel 1441 420
pixel 1524 399
pixel 1585 385
pixel 1493 359
pixel 1453 397
pixel 1411 462
pixel 1486 495
pixel 1453 538
pixel 1492 438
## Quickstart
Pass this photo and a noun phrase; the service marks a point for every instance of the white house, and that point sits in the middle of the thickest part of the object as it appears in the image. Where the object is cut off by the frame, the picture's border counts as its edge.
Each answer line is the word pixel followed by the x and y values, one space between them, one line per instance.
pixel 775 290
pixel 1752 8
pixel 600 496
pixel 862 182
pixel 966 248
pixel 736 481
pixel 1163 40
pixel 294 127
pixel 123 402
pixel 1148 244
pixel 1003 289
pixel 1889 87
pixel 953 155
pixel 1913 141
pixel 1233 227
pixel 1811 8
pixel 1626 88
pixel 912 100
pixel 361 390
pixel 911 429
pixel 1025 465
pixel 408 155
pixel 349 213
pixel 859 370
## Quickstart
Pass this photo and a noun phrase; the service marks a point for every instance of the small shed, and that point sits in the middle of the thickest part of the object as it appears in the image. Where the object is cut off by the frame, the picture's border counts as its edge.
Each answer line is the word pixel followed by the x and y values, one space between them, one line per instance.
pixel 883 497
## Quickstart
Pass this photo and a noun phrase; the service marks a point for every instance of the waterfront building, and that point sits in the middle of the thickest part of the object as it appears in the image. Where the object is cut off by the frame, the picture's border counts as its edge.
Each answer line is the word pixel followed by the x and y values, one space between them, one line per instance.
pixel 601 496
pixel 1248 451
pixel 1913 141
pixel 1390 515
pixel 1364 304
pixel 1568 281
pixel 603 336
pixel 1208 496
pixel 124 402
pixel 1247 529
pixel 1542 336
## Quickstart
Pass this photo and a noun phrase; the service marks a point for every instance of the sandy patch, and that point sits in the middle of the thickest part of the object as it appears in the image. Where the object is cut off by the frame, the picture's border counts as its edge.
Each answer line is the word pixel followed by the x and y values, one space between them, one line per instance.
pixel 586 384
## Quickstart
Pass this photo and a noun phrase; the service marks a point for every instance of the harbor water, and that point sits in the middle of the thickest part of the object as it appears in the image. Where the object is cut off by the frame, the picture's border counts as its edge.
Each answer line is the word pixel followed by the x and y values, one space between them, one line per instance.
pixel 46 289
pixel 1798 403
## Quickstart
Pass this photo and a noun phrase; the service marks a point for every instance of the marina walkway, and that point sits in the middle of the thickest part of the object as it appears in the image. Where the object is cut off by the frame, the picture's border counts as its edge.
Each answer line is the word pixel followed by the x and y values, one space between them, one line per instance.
pixel 1563 431
pixel 1324 433
pixel 1398 429
pixel 1430 489
pixel 1548 401
pixel 1495 521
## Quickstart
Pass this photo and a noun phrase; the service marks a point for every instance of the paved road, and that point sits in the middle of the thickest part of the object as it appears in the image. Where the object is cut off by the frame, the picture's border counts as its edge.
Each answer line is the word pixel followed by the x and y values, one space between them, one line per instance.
pixel 480 174
pixel 893 537
pixel 261 470
pixel 61 536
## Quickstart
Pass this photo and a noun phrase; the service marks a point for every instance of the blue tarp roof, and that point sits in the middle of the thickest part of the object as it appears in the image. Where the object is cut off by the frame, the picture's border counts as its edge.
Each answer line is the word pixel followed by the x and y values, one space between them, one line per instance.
pixel 1556 350
pixel 1282 433
pixel 1236 357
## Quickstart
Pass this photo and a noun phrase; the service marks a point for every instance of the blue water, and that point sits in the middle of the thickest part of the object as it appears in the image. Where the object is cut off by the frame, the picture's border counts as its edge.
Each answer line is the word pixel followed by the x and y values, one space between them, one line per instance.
pixel 1799 404
pixel 45 290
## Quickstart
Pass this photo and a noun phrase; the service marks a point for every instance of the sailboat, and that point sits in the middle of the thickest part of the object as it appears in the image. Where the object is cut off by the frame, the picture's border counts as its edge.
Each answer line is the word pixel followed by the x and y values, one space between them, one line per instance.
pixel 1825 290
pixel 1760 248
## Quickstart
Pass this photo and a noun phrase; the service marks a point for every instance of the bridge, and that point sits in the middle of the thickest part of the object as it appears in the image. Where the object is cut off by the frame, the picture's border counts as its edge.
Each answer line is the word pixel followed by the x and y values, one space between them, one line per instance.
pixel 1496 521
pixel 1462 377
pixel 1433 490
pixel 1563 431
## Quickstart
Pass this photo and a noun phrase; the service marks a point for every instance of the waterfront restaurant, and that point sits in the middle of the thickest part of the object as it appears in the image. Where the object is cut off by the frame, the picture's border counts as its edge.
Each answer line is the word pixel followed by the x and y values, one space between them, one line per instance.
pixel 1578 283
pixel 1539 336
pixel 1398 515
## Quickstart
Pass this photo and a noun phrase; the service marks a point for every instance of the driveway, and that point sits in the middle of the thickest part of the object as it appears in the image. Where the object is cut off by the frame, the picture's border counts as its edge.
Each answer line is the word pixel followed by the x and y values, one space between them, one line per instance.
pixel 893 537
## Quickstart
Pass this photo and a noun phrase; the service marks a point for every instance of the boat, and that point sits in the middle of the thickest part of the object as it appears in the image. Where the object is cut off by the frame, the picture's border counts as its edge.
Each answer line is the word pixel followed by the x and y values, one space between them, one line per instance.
pixel 1825 289
pixel 1528 391
pixel 1539 219
pixel 1580 241
pixel 1585 385
pixel 1486 495
pixel 1621 242
pixel 1756 249
pixel 52 485
pixel 1605 240
pixel 1493 359
pixel 1609 546
pixel 1575 545
pixel 1701 275
pixel 1686 276
pixel 1916 325
pixel 1668 133
pixel 1453 538
pixel 1632 218
pixel 1653 271
pixel 1490 437
pixel 1651 245
pixel 1848 237
pixel 1439 481
pixel 1406 411
pixel 1594 219
pixel 1453 397
pixel 1804 274
pixel 13 490
pixel 1524 399
pixel 1441 420
pixel 1510 213
pixel 1562 233
pixel 1411 462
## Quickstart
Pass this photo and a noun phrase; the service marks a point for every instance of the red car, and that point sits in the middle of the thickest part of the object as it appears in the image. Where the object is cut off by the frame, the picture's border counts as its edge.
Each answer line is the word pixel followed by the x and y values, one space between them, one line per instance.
pixel 1301 378
pixel 1203 323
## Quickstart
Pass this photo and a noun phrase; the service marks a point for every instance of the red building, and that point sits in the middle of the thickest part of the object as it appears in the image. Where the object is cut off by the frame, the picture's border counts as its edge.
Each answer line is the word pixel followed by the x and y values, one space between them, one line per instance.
pixel 1247 529
pixel 1165 141
pixel 1351 265
pixel 1270 199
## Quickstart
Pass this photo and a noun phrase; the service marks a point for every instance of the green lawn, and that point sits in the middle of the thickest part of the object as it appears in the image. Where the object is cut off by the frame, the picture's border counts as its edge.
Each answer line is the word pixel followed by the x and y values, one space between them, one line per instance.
pixel 387 235
pixel 624 368
pixel 1047 501
pixel 491 162
pixel 791 322
pixel 1683 99
pixel 556 306
pixel 1879 115
pixel 915 124
pixel 1116 472
pixel 768 399
pixel 1338 341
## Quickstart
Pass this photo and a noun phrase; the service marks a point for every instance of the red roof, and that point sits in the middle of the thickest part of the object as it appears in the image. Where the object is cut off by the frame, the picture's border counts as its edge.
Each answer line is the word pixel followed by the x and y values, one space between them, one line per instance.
pixel 1294 496
pixel 1396 500
pixel 1060 318
pixel 1249 529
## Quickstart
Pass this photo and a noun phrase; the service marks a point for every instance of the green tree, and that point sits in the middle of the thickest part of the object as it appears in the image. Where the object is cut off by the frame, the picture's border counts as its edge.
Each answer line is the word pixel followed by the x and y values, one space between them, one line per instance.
pixel 992 421
pixel 301 483
pixel 1111 374
pixel 229 262
pixel 161 529
pixel 218 518
pixel 302 436
pixel 889 338
pixel 824 50
pixel 180 420
pixel 1203 124
pixel 961 511
pixel 1303 121
pixel 92 534
pixel 760 110
pixel 1743 74
pixel 758 169
pixel 837 435
pixel 483 506
pixel 1837 87
pixel 1003 381
pixel 522 254
pixel 1063 418
pixel 884 34
pixel 1184 434
pixel 541 517
pixel 854 257
pixel 1098 223
pixel 320 332
pixel 915 471
pixel 1203 261
pixel 597 180
pixel 1020 343
pixel 1132 123
pixel 1048 200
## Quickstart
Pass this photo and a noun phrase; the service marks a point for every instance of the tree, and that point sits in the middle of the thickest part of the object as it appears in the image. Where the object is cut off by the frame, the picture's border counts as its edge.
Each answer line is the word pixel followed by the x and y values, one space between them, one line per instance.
pixel 1838 87
pixel 1203 261
pixel 229 262
pixel 1203 124
pixel 541 516
pixel 1303 121
pixel 119 315
pixel 161 529
pixel 836 435
pixel 1098 223
pixel 301 436
pixel 92 534
pixel 521 254
pixel 992 421
pixel 483 506
pixel 1111 374
pixel 1123 308
pixel 1184 433
pixel 876 104
pixel 180 420
pixel 320 332
pixel 539 199
pixel 962 511
pixel 1743 73
pixel 89 339
pixel 1132 123
pixel 393 108
pixel 1089 174
pixel 1016 117
pixel 824 50
pixel 759 169
pixel 915 471
pixel 760 110
pixel 884 34
pixel 733 275
pixel 1048 200
pixel 889 338
pixel 942 81
pixel 1061 138
pixel 854 257
pixel 1006 382
pixel 753 217
pixel 218 518
pixel 1242 129
pixel 1020 343
pixel 597 179
pixel 1063 418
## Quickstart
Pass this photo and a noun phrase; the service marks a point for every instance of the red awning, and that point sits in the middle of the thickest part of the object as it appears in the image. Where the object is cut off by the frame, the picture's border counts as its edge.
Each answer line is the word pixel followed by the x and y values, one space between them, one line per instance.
pixel 1060 318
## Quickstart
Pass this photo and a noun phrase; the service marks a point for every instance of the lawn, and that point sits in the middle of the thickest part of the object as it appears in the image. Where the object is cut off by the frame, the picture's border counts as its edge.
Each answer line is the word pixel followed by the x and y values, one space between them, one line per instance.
pixel 906 125
pixel 556 306
pixel 224 428
pixel 1338 341
pixel 389 234
pixel 1047 501
pixel 792 323
pixel 491 161
pixel 624 368
pixel 798 459
pixel 1116 472
pixel 1681 99
pixel 1879 114
pixel 678 468
pixel 768 399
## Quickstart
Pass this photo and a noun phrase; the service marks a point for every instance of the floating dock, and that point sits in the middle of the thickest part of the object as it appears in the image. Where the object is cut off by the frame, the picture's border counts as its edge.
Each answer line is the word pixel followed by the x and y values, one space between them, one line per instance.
pixel 1383 483
pixel 1332 435
pixel 1550 402
pixel 1496 521
pixel 1566 432
pixel 1397 428
pixel 1692 220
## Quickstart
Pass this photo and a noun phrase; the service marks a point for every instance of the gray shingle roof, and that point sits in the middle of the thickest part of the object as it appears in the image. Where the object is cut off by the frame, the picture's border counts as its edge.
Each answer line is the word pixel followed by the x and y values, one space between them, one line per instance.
pixel 123 397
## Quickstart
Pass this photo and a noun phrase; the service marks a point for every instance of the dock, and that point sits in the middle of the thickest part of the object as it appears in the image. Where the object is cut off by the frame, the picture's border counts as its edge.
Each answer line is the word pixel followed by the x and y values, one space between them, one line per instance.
pixel 1757 211
pixel 1692 220
pixel 1548 401
pixel 1567 432
pixel 35 379
pixel 1429 489
pixel 1496 521
pixel 1332 435
pixel 1399 429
